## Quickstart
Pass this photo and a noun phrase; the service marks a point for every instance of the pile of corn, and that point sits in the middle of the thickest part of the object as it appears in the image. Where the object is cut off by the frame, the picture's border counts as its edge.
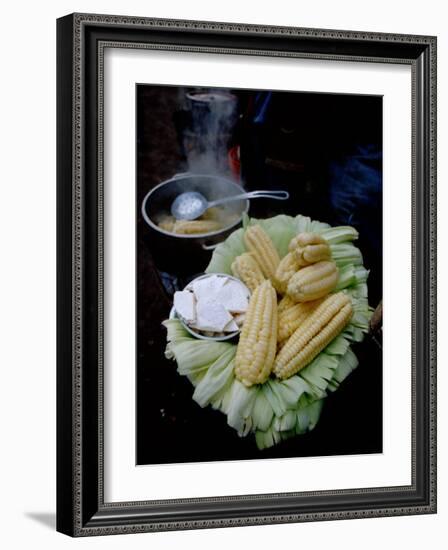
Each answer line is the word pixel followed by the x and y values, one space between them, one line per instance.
pixel 308 303
pixel 306 276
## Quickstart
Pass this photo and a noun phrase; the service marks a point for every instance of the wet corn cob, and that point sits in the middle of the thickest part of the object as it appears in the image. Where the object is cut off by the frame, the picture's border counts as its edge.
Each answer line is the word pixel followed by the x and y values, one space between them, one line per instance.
pixel 246 268
pixel 213 213
pixel 167 223
pixel 292 317
pixel 311 337
pixel 259 243
pixel 313 282
pixel 187 227
pixel 285 270
pixel 258 339
pixel 309 248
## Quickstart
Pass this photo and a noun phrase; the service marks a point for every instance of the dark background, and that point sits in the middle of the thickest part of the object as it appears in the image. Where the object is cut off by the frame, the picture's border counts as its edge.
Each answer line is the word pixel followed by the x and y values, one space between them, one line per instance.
pixel 325 149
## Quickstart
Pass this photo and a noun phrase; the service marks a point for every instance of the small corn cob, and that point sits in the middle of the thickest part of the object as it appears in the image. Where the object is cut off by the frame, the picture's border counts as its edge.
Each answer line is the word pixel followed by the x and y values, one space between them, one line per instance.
pixel 258 339
pixel 285 303
pixel 259 243
pixel 167 223
pixel 316 332
pixel 213 213
pixel 304 239
pixel 291 318
pixel 285 270
pixel 313 282
pixel 245 267
pixel 187 227
pixel 309 248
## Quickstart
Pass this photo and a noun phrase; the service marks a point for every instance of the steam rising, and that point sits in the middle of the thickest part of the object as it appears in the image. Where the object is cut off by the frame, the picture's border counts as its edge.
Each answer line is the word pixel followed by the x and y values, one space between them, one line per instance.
pixel 206 141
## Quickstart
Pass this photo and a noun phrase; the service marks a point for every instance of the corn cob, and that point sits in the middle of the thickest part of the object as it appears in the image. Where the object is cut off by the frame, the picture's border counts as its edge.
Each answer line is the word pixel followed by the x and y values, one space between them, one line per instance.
pixel 313 282
pixel 259 243
pixel 187 227
pixel 213 213
pixel 291 318
pixel 285 270
pixel 258 339
pixel 245 267
pixel 304 239
pixel 310 338
pixel 167 223
pixel 309 248
pixel 285 303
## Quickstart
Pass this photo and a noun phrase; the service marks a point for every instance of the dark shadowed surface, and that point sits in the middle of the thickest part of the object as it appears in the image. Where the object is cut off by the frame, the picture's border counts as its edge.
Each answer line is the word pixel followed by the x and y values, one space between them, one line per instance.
pixel 326 150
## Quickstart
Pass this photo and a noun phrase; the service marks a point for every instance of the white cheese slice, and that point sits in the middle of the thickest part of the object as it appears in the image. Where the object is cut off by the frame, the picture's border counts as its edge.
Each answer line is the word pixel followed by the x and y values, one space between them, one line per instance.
pixel 239 319
pixel 231 327
pixel 211 316
pixel 184 304
pixel 208 287
pixel 233 296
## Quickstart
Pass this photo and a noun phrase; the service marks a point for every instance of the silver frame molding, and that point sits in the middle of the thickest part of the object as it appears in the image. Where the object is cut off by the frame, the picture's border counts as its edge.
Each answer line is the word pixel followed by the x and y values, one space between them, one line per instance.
pixel 82 39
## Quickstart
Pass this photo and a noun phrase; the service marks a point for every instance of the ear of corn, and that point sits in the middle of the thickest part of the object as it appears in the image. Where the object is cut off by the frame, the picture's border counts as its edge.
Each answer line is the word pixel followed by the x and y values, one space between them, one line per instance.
pixel 304 239
pixel 246 268
pixel 291 318
pixel 187 227
pixel 309 248
pixel 258 339
pixel 213 213
pixel 313 335
pixel 167 223
pixel 313 282
pixel 258 242
pixel 285 303
pixel 285 270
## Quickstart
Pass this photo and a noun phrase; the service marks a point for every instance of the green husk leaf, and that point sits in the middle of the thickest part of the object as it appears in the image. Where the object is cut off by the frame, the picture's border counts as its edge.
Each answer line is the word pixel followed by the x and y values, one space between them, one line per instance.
pixel 218 376
pixel 271 396
pixel 340 234
pixel 286 422
pixel 303 224
pixel 320 371
pixel 241 404
pixel 345 254
pixel 262 412
pixel 347 363
pixel 338 346
pixel 347 277
pixel 318 227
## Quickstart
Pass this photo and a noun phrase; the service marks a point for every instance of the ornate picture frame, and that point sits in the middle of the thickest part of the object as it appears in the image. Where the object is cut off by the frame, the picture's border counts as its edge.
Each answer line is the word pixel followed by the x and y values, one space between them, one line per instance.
pixel 81 506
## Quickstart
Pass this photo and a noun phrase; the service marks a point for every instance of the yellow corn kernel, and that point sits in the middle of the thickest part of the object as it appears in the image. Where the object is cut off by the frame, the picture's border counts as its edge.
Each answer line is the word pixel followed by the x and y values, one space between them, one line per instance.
pixel 285 270
pixel 304 239
pixel 291 318
pixel 285 303
pixel 187 227
pixel 245 267
pixel 259 243
pixel 313 282
pixel 256 349
pixel 309 248
pixel 313 335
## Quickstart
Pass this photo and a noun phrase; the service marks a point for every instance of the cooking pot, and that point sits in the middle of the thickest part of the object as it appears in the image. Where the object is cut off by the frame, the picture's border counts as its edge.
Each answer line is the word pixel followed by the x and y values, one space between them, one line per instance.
pixel 189 254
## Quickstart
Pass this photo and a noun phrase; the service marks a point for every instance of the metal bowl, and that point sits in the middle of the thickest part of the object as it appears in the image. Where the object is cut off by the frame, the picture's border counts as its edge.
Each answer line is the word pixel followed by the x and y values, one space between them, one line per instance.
pixel 174 315
pixel 188 254
pixel 158 201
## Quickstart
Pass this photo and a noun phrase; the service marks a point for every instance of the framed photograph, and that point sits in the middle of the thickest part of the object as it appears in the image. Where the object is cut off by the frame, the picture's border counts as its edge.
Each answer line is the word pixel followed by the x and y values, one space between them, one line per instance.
pixel 246 274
